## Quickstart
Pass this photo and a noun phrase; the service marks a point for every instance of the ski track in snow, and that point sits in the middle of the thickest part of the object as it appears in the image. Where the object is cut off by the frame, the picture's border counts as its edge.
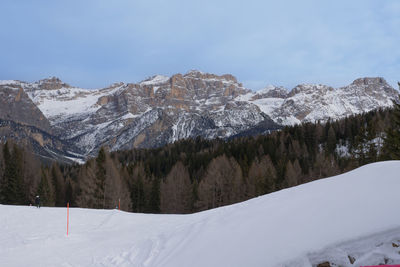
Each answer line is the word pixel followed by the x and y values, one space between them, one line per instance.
pixel 353 214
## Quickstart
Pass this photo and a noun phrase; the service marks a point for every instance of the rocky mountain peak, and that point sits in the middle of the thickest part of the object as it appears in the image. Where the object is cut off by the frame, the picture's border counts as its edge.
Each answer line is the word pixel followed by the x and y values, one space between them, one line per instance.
pixel 116 84
pixel 9 82
pixel 200 85
pixel 52 83
pixel 310 89
pixel 271 91
pixel 376 87
pixel 370 81
pixel 209 76
pixel 155 80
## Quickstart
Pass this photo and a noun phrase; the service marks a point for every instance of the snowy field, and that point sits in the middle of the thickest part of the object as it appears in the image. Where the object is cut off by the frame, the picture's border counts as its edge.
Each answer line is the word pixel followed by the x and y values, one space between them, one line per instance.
pixel 350 217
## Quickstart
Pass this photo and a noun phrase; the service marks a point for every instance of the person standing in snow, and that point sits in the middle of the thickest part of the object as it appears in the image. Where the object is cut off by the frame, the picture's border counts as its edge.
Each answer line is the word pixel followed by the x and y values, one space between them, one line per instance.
pixel 37 201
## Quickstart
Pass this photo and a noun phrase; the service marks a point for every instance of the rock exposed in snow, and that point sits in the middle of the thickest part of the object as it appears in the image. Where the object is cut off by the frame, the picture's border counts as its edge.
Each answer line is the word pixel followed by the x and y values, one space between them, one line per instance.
pixel 271 92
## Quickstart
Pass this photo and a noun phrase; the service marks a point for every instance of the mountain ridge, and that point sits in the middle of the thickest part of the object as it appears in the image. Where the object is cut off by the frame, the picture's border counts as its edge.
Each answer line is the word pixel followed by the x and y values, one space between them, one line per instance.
pixel 162 109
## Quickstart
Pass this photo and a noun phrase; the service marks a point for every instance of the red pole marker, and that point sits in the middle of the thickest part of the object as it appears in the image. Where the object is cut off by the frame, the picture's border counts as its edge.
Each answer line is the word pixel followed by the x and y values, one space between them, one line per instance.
pixel 67 217
pixel 119 204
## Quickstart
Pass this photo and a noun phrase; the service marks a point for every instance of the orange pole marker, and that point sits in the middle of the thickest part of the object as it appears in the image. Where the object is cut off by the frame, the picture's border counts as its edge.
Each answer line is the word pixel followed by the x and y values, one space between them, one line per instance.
pixel 119 204
pixel 67 217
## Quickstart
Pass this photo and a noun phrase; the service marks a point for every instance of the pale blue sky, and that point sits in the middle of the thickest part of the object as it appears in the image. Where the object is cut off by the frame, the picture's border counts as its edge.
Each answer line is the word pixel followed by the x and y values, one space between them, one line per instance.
pixel 93 43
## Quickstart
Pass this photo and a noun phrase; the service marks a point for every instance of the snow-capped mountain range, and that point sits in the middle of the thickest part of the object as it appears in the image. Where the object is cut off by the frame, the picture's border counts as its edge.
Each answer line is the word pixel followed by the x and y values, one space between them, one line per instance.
pixel 161 109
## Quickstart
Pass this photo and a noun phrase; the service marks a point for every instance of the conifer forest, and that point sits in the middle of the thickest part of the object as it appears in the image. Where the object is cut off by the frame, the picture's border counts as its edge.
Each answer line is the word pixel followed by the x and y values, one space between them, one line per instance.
pixel 195 174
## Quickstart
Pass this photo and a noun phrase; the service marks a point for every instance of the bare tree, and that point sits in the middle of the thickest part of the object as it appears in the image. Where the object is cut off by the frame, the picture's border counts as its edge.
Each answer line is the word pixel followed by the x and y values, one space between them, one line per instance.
pixel 222 184
pixel 262 177
pixel 176 190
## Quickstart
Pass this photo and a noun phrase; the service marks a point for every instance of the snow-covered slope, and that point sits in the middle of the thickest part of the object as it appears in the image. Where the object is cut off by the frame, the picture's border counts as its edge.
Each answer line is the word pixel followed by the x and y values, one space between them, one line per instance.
pixel 350 217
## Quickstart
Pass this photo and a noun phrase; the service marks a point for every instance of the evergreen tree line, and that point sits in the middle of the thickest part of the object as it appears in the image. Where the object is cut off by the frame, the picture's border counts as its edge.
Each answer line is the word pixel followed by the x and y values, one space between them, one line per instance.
pixel 196 174
pixel 23 176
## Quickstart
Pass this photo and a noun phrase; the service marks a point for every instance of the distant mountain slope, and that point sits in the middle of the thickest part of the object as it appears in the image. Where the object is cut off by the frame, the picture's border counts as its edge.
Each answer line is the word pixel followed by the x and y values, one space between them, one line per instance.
pixel 42 143
pixel 161 110
pixel 16 105
pixel 309 102
pixel 347 220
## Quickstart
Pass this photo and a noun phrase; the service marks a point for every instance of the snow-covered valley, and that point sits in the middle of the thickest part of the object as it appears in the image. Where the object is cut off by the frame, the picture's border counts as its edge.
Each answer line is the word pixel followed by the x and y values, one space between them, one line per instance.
pixel 349 220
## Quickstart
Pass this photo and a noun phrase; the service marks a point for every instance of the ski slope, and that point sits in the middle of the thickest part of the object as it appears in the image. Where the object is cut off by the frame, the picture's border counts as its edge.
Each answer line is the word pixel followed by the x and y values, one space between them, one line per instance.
pixel 356 214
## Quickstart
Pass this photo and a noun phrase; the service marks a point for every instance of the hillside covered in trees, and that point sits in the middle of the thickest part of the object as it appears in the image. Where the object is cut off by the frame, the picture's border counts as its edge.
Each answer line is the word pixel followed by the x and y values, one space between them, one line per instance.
pixel 196 174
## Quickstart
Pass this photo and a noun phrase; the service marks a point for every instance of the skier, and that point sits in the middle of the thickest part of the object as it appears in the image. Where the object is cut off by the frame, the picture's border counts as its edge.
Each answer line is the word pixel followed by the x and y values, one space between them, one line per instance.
pixel 37 201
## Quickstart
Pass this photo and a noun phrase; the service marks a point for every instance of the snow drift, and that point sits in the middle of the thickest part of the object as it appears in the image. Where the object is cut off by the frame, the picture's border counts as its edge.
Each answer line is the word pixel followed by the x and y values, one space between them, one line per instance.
pixel 354 217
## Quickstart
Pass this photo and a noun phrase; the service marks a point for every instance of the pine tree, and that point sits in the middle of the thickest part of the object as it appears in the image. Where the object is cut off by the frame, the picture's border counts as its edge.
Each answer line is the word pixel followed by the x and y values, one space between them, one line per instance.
pixel 154 201
pixel 195 195
pixel 12 188
pixel 69 193
pixel 361 146
pixel 4 196
pixel 100 179
pixel 44 190
pixel 58 183
pixel 137 195
pixel 18 163
pixel 392 139
pixel 331 140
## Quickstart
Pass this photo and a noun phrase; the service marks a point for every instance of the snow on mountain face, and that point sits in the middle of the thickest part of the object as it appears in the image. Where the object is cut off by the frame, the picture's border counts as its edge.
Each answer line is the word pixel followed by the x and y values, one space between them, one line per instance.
pixel 347 220
pixel 271 92
pixel 157 79
pixel 164 109
pixel 64 102
pixel 9 82
pixel 190 105
pixel 310 103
